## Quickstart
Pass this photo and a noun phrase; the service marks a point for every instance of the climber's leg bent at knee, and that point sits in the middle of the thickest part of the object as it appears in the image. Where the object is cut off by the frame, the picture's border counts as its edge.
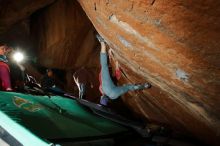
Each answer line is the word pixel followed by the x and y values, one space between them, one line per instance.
pixel 109 88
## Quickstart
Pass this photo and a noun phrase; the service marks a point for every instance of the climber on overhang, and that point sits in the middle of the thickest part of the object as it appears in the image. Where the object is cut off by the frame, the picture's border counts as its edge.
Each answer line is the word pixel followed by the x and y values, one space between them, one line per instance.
pixel 109 89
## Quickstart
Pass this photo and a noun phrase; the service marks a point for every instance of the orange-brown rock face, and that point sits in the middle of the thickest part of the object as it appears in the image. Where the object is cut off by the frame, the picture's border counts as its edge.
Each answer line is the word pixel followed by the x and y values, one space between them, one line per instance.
pixel 11 12
pixel 65 39
pixel 58 32
pixel 175 46
pixel 65 36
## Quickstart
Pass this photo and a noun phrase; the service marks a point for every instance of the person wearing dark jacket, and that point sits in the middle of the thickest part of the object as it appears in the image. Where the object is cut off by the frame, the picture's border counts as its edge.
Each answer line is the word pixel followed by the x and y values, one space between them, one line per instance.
pixel 47 81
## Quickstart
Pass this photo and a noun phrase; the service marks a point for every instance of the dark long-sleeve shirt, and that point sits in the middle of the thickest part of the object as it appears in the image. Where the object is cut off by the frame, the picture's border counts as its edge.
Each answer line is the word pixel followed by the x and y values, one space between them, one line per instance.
pixel 47 82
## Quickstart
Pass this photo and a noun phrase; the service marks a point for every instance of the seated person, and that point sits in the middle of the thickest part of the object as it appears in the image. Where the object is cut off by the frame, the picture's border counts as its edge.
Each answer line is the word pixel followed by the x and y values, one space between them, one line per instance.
pixel 4 69
pixel 48 83
pixel 110 90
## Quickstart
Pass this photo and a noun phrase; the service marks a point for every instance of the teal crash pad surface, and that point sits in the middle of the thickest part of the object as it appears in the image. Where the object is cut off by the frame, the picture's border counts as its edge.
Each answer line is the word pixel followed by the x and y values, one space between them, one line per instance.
pixel 42 116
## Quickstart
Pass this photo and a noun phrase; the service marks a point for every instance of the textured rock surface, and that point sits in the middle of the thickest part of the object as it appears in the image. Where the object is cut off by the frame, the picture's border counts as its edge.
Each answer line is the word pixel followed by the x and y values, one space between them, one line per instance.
pixel 11 11
pixel 58 33
pixel 175 46
pixel 65 39
pixel 14 22
pixel 65 36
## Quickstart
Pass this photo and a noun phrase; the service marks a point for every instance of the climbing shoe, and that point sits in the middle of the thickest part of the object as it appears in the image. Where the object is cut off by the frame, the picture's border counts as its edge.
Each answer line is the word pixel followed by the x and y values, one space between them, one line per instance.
pixel 147 85
pixel 104 100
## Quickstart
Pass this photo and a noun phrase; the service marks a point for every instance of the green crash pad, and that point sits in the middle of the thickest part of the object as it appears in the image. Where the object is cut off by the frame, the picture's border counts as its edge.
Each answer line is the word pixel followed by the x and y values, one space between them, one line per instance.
pixel 55 117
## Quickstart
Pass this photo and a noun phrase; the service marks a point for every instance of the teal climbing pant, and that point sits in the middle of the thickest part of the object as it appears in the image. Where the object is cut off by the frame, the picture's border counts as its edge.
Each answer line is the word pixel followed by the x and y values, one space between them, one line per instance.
pixel 108 87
